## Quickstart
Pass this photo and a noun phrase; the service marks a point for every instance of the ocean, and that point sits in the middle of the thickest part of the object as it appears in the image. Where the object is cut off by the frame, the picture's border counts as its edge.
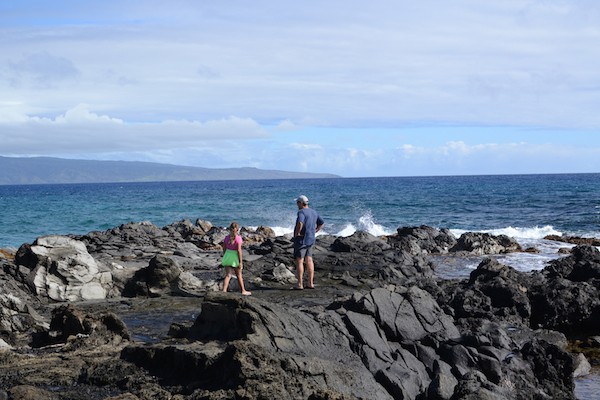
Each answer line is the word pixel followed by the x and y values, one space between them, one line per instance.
pixel 526 207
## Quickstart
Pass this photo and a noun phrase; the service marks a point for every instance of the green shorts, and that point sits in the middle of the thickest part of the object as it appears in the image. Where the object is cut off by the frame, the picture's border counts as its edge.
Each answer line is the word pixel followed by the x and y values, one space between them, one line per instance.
pixel 230 259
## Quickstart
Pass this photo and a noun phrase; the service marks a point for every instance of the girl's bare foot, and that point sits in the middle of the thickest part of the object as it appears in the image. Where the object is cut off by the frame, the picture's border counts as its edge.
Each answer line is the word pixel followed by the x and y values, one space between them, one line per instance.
pixel 246 293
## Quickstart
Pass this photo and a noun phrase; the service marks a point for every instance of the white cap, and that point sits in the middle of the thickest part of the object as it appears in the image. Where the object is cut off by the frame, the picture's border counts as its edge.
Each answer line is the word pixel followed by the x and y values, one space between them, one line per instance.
pixel 302 199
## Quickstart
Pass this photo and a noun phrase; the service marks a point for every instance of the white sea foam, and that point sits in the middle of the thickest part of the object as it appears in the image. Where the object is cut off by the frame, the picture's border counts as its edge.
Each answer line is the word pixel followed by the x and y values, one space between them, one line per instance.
pixel 526 237
pixel 526 262
pixel 535 232
pixel 365 222
pixel 348 230
pixel 526 233
pixel 288 231
pixel 282 231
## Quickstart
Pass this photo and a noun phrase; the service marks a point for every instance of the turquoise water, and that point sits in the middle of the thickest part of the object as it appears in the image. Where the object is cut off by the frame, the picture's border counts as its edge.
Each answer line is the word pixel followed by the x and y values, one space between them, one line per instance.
pixel 524 205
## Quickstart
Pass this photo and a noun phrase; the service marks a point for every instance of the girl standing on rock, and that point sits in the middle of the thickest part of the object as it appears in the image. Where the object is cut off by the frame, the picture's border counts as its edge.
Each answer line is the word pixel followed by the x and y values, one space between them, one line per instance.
pixel 232 258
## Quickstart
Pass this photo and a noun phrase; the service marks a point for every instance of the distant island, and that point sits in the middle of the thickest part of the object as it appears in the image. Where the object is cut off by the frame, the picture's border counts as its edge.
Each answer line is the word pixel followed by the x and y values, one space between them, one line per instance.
pixel 47 170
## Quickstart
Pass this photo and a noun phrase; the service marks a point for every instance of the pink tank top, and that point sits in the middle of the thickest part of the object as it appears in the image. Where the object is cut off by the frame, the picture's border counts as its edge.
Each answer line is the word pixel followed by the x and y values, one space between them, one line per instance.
pixel 234 245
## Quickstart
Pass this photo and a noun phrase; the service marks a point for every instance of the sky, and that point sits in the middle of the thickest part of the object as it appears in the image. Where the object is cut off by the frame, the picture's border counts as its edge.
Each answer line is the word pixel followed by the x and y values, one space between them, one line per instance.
pixel 354 88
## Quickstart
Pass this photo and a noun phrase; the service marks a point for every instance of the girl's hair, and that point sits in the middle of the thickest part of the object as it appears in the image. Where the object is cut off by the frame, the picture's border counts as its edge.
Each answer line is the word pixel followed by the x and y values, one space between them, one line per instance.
pixel 234 226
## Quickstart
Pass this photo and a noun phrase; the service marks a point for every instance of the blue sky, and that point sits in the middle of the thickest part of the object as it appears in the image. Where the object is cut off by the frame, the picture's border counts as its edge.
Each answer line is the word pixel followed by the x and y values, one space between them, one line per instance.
pixel 381 88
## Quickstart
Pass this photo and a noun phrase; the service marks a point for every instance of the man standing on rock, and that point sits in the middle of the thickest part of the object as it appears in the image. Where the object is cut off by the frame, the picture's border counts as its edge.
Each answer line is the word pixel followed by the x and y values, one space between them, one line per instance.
pixel 308 223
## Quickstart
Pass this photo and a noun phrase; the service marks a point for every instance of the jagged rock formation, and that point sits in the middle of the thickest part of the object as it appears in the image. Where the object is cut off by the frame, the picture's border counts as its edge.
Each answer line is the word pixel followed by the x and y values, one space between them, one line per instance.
pixel 380 324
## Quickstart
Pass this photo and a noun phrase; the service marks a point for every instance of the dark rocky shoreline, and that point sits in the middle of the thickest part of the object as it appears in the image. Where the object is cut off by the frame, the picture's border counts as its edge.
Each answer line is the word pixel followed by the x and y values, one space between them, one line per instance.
pixel 380 325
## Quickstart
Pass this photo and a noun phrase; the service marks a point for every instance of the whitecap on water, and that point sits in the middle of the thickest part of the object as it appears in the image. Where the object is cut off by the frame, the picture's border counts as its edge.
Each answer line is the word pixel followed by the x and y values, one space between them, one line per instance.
pixel 535 232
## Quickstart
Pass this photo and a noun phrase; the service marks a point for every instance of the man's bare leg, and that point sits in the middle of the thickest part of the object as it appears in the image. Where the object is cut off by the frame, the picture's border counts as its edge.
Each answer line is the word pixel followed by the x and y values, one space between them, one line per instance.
pixel 299 272
pixel 310 270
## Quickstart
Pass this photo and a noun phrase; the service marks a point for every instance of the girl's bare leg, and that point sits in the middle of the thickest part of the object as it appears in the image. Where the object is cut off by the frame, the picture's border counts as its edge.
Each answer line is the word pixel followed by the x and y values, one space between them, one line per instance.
pixel 238 272
pixel 228 273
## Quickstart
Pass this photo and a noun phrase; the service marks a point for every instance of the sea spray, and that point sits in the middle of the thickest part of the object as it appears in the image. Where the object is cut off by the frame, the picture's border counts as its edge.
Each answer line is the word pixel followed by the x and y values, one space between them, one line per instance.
pixel 367 223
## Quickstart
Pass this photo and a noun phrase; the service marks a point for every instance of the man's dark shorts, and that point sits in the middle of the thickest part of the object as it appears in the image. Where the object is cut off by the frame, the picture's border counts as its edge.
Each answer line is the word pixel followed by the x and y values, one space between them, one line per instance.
pixel 302 250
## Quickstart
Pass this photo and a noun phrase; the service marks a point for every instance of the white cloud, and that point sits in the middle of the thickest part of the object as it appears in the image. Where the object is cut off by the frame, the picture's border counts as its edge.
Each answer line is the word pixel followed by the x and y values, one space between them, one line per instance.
pixel 163 81
pixel 80 130
pixel 451 158
pixel 460 158
pixel 80 114
pixel 287 125
pixel 307 147
pixel 512 62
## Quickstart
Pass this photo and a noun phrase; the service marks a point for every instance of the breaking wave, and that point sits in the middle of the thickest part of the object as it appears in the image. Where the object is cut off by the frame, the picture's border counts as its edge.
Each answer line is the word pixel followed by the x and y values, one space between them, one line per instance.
pixel 535 232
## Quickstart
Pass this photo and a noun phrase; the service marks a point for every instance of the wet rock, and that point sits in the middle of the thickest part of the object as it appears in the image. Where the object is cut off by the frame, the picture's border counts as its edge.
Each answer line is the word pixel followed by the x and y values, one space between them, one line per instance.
pixel 187 230
pixel 212 239
pixel 68 322
pixel 493 291
pixel 423 240
pixel 132 240
pixel 367 334
pixel 378 326
pixel 110 373
pixel 576 240
pixel 586 264
pixel 561 304
pixel 360 241
pixel 361 267
pixel 251 369
pixel 321 353
pixel 162 277
pixel 205 236
pixel 478 243
pixel 131 246
pixel 504 286
pixel 552 367
pixel 566 295
pixel 256 236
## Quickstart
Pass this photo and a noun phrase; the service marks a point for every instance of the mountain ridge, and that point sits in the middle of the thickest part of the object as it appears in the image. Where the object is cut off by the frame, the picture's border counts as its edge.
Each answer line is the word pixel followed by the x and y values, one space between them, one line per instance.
pixel 54 170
